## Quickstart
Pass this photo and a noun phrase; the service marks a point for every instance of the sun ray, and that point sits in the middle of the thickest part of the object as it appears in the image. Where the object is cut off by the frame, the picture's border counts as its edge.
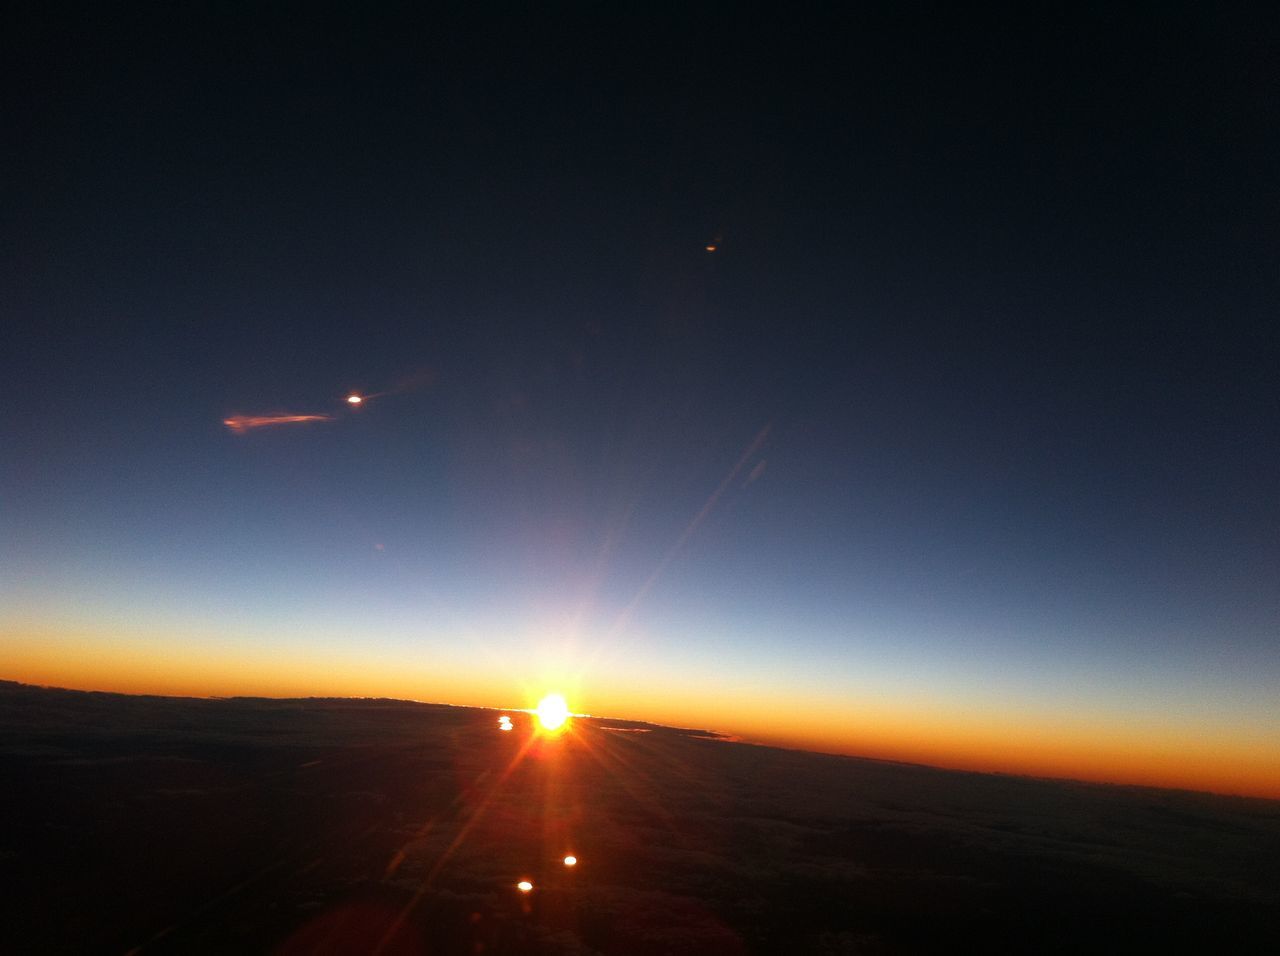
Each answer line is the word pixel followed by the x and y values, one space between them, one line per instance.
pixel 461 836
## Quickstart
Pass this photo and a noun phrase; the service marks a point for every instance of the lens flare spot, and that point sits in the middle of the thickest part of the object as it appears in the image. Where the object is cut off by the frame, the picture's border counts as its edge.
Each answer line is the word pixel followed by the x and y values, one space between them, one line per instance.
pixel 570 861
pixel 552 712
pixel 504 722
pixel 524 886
pixel 354 399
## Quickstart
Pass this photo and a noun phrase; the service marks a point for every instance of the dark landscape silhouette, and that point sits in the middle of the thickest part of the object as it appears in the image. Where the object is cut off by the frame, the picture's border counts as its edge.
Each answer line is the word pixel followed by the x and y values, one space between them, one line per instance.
pixel 157 825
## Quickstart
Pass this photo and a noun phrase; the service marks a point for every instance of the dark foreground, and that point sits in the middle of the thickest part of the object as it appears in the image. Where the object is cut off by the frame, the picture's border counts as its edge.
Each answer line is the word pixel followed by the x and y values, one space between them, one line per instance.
pixel 319 826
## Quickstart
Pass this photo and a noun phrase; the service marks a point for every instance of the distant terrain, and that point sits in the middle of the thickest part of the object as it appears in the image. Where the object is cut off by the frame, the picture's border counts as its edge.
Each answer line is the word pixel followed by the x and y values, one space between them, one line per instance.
pixel 172 825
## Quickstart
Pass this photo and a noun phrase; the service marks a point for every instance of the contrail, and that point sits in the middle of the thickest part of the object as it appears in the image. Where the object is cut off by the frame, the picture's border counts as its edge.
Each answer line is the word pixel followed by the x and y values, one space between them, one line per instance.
pixel 243 423
pixel 354 399
pixel 410 383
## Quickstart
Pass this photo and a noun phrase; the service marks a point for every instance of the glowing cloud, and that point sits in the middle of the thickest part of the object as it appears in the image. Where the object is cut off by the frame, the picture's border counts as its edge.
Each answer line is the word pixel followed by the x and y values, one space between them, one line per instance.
pixel 244 423
pixel 354 400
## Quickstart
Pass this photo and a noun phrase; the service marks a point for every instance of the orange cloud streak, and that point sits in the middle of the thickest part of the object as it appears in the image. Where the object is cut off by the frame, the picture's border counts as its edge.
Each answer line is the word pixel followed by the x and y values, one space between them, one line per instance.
pixel 243 423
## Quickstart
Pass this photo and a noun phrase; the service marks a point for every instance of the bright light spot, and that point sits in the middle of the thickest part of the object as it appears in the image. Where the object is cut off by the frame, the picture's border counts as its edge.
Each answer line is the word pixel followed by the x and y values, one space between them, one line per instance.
pixel 504 722
pixel 552 712
pixel 711 248
pixel 524 886
pixel 354 399
pixel 570 861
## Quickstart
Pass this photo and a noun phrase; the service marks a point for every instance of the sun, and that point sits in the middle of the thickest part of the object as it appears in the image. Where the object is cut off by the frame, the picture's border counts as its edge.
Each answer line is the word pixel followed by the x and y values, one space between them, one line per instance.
pixel 552 712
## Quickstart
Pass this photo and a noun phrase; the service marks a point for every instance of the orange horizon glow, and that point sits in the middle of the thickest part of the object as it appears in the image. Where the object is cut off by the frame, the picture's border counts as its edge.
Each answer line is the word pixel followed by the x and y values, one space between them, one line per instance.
pixel 1180 755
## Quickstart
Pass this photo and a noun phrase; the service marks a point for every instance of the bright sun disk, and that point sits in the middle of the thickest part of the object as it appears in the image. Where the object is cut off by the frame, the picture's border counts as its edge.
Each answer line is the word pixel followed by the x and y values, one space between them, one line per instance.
pixel 552 712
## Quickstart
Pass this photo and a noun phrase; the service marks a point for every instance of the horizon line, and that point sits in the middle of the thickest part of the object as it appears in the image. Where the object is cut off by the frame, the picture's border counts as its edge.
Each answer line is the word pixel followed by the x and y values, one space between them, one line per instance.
pixel 706 734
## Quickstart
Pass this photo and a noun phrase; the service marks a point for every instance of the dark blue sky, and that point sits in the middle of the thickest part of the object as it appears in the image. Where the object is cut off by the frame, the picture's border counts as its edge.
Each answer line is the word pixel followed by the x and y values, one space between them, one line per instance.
pixel 1001 291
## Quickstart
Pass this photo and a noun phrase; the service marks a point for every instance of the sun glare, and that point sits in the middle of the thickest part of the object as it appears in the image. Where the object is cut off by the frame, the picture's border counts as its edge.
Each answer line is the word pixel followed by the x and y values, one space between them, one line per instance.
pixel 552 712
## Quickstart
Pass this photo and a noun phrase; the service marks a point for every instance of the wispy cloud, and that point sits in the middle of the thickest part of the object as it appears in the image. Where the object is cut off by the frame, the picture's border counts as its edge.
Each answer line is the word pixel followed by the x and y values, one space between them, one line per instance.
pixel 352 401
pixel 244 423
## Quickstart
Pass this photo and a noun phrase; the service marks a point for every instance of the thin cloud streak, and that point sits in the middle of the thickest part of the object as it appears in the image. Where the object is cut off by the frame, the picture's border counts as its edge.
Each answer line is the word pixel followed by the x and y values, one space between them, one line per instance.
pixel 243 423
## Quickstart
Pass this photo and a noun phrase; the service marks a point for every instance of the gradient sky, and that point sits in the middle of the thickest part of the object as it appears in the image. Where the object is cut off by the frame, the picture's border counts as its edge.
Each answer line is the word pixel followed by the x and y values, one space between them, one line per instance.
pixel 961 447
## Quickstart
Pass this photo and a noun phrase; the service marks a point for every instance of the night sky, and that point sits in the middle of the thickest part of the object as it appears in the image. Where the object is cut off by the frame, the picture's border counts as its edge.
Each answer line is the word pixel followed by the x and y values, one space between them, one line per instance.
pixel 960 447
